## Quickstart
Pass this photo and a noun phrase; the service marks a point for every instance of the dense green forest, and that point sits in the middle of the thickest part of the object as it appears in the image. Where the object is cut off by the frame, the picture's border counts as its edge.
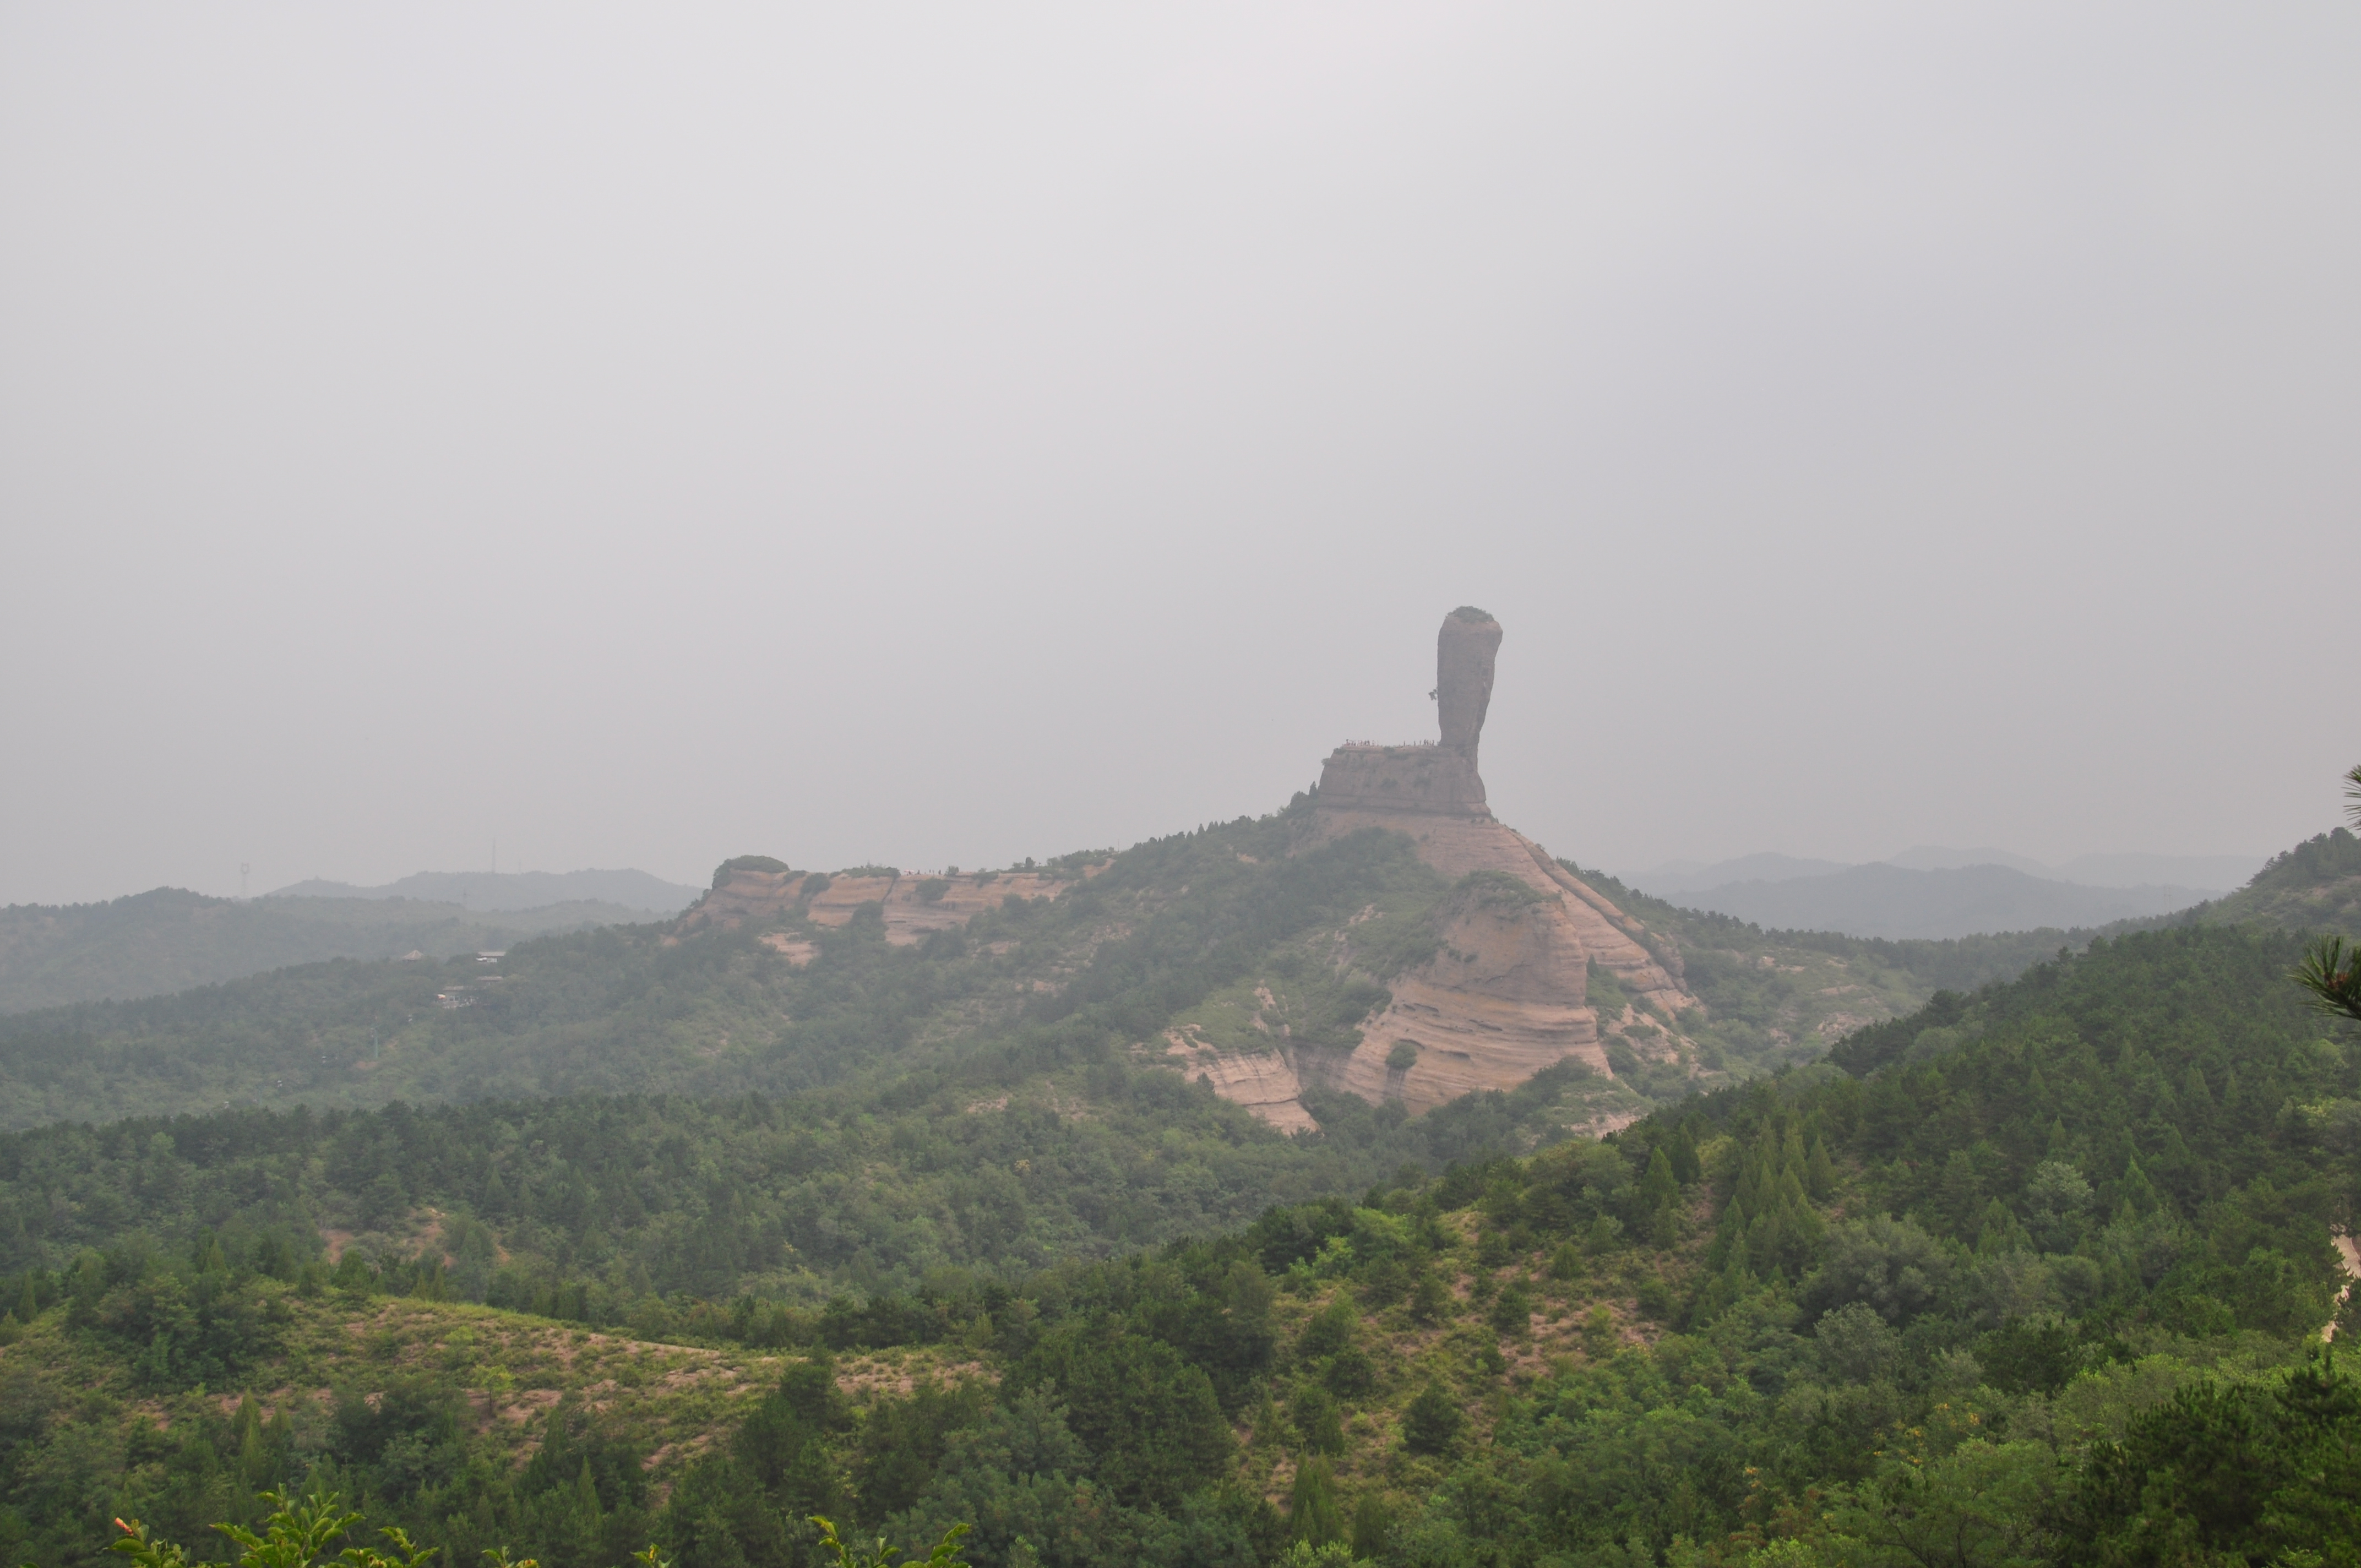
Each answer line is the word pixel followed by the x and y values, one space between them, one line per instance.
pixel 628 1009
pixel 2032 1275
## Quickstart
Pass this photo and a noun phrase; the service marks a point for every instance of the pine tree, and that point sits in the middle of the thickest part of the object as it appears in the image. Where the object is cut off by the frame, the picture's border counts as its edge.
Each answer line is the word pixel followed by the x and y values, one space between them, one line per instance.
pixel 1373 1526
pixel 1313 1516
pixel 1997 1231
pixel 1660 1199
pixel 1432 1421
pixel 1763 1243
pixel 1820 1173
pixel 1686 1167
pixel 1962 1188
pixel 586 1497
pixel 1749 1193
pixel 1268 1427
pixel 253 1455
pixel 1730 1237
pixel 1658 1187
pixel 2139 1191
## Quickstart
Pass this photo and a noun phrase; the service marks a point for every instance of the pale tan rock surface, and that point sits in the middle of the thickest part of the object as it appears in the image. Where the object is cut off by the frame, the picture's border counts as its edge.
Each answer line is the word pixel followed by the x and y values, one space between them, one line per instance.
pixel 910 917
pixel 1508 995
pixel 1263 1082
pixel 742 895
pixel 1457 844
pixel 1505 998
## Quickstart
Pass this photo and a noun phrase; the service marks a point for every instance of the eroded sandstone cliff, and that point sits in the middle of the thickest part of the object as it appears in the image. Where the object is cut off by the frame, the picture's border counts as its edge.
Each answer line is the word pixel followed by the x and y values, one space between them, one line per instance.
pixel 1264 1081
pixel 1509 994
pixel 1505 973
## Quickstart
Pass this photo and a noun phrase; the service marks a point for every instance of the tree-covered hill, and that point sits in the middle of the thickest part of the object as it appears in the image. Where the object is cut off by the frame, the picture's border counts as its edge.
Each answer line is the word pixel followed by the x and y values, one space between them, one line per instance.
pixel 1107 964
pixel 170 939
pixel 1784 997
pixel 1792 996
pixel 1034 983
pixel 2040 1280
pixel 2316 886
pixel 633 1009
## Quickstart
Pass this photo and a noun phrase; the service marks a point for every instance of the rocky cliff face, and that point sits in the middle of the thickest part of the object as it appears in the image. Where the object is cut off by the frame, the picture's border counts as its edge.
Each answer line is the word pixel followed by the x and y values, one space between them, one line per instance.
pixel 1265 1082
pixel 1509 993
pixel 1426 781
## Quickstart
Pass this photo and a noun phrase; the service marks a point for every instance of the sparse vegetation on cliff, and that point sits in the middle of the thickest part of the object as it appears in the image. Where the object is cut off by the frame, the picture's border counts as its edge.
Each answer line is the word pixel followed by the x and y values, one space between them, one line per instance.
pixel 747 863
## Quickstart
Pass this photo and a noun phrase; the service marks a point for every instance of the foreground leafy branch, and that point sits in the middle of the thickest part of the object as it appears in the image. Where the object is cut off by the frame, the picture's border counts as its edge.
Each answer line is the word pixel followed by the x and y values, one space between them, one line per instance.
pixel 295 1535
pixel 2332 972
pixel 298 1534
pixel 878 1554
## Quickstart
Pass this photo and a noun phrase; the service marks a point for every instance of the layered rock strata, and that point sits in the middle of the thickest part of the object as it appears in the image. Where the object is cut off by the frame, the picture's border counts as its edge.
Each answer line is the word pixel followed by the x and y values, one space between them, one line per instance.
pixel 1509 994
pixel 1265 1082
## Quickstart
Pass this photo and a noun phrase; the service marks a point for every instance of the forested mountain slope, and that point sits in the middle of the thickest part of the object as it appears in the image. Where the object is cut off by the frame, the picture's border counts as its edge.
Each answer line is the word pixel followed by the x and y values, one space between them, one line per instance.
pixel 805 993
pixel 1785 996
pixel 2039 1289
pixel 1299 946
pixel 1791 994
pixel 168 939
pixel 2316 886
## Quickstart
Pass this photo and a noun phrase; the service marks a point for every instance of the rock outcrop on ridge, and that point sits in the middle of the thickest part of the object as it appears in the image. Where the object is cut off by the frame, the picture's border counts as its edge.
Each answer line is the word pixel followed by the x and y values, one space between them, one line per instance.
pixel 1521 945
pixel 1508 994
pixel 915 905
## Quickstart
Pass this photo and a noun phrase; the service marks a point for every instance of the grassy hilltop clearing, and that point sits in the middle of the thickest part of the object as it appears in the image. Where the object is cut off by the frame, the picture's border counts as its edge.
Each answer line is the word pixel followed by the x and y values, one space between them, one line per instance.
pixel 2042 1277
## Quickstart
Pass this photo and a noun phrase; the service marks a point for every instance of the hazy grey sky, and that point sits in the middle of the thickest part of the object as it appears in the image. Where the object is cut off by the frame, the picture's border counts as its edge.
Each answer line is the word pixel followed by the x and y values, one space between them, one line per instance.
pixel 641 434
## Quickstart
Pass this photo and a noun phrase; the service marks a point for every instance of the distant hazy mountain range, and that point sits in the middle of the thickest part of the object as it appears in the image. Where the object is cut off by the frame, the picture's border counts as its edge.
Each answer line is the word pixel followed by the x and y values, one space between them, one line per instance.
pixel 516 889
pixel 168 939
pixel 2217 873
pixel 1934 891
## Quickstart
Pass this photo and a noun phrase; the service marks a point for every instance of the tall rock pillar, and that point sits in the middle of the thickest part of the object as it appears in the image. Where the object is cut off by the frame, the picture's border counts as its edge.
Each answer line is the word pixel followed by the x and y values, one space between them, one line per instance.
pixel 1464 652
pixel 1508 993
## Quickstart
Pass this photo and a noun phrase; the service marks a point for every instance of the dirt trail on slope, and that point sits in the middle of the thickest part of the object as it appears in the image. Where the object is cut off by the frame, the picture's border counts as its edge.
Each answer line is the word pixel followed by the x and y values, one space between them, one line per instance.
pixel 2351 1252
